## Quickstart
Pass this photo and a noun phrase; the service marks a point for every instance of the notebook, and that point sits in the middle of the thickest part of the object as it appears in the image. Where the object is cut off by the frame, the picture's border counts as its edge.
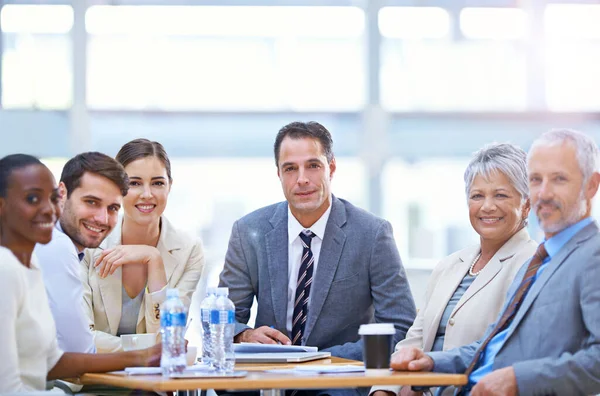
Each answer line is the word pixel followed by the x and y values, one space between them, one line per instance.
pixel 248 347
pixel 280 357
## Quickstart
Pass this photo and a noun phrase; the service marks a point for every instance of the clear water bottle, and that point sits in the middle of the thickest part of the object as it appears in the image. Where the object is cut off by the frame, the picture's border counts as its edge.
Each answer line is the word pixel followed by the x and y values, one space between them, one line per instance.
pixel 173 317
pixel 222 327
pixel 205 307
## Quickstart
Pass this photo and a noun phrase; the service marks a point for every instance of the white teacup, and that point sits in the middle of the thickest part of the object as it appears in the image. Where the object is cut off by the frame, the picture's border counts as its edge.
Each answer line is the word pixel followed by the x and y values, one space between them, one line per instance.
pixel 191 355
pixel 132 342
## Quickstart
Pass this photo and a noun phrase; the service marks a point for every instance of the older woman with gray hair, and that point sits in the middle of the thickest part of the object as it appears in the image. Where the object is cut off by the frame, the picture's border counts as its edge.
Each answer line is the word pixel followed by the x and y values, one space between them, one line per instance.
pixel 467 289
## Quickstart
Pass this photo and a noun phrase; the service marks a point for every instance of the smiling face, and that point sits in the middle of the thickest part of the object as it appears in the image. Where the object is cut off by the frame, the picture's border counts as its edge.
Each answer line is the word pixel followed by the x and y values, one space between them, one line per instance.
pixel 91 211
pixel 30 208
pixel 148 190
pixel 496 210
pixel 305 178
pixel 559 196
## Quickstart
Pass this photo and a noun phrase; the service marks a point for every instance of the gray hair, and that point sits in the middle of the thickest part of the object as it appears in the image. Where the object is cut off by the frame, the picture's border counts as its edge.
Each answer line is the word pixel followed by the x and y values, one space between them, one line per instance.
pixel 588 155
pixel 506 158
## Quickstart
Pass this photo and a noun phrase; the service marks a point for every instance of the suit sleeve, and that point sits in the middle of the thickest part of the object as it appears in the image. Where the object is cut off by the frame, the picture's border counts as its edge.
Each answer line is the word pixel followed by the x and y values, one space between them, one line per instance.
pixel 570 373
pixel 236 277
pixel 458 359
pixel 186 285
pixel 392 299
pixel 105 342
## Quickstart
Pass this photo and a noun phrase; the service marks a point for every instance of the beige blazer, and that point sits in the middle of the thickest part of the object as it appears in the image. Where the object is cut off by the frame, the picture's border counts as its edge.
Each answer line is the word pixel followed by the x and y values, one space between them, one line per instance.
pixel 183 258
pixel 478 307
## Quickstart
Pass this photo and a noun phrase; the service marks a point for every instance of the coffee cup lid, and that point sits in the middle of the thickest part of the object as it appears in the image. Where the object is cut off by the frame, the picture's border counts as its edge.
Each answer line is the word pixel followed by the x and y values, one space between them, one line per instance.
pixel 377 329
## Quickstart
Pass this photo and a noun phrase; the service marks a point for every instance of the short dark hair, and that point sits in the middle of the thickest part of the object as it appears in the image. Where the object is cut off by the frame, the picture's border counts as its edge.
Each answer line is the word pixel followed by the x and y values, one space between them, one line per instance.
pixel 142 148
pixel 95 163
pixel 11 163
pixel 298 130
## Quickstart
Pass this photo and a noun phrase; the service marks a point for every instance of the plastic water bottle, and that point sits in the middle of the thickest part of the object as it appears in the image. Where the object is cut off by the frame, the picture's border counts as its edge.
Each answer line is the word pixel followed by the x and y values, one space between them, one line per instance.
pixel 173 316
pixel 205 307
pixel 222 327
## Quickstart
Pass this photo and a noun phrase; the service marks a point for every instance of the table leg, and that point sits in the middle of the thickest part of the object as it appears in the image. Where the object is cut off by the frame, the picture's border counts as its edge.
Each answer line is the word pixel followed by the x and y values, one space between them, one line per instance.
pixel 195 392
pixel 272 392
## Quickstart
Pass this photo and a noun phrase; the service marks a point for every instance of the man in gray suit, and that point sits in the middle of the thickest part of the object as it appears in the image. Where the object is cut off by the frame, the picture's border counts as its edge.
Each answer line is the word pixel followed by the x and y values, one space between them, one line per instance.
pixel 547 340
pixel 318 266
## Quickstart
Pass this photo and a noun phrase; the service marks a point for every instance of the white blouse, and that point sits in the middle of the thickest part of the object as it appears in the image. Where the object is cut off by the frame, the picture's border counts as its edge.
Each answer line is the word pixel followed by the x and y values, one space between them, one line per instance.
pixel 28 346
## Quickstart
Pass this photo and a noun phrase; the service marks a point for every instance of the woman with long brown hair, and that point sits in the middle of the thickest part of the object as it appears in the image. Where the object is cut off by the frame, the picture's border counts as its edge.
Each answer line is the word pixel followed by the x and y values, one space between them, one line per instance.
pixel 125 280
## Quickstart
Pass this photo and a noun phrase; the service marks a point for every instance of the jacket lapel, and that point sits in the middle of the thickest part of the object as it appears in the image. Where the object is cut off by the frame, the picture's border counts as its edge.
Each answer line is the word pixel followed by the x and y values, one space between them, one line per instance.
pixel 493 267
pixel 168 245
pixel 277 257
pixel 551 267
pixel 450 280
pixel 329 258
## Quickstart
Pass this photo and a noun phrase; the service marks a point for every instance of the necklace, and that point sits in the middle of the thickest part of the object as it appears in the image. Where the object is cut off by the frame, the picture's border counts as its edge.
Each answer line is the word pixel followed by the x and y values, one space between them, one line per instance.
pixel 473 265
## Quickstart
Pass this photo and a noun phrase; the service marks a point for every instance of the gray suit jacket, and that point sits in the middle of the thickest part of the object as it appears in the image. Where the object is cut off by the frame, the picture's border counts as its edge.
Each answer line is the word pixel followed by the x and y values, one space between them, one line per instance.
pixel 554 344
pixel 359 278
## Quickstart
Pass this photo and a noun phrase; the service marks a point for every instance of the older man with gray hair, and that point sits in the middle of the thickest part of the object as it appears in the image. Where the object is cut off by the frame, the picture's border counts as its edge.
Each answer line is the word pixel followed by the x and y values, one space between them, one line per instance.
pixel 546 339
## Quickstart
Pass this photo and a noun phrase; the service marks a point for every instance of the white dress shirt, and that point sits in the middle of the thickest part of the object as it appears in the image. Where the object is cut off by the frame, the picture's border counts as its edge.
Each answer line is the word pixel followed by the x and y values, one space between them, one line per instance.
pixel 295 256
pixel 59 261
pixel 27 335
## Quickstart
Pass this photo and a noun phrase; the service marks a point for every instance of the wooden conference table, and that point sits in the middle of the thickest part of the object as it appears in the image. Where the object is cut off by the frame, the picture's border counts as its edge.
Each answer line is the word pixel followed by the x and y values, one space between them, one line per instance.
pixel 276 383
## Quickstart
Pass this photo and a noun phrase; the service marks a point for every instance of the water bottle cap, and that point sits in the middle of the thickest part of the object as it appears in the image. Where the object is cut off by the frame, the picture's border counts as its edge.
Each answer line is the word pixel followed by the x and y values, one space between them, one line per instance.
pixel 172 293
pixel 222 291
pixel 211 290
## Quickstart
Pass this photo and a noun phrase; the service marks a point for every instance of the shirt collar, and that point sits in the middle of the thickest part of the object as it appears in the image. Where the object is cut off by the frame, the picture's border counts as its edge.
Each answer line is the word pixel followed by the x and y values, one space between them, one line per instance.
pixel 80 254
pixel 555 243
pixel 295 228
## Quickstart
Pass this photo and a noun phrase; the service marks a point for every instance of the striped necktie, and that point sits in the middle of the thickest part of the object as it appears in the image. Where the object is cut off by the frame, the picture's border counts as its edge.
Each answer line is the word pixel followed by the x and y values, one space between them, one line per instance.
pixel 305 278
pixel 513 306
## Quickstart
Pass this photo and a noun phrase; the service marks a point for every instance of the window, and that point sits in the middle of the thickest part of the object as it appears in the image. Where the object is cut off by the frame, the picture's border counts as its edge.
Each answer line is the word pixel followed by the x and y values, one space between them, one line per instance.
pixel 414 22
pixel 424 69
pixel 493 23
pixel 225 58
pixel 572 57
pixel 36 63
pixel 431 218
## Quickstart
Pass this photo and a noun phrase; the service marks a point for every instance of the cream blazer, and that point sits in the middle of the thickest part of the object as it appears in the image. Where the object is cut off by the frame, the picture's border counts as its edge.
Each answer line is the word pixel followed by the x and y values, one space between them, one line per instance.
pixel 183 258
pixel 478 307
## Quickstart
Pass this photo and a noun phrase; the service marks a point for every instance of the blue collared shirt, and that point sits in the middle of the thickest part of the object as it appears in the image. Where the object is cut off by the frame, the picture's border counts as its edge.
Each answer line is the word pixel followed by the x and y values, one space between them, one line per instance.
pixel 59 261
pixel 553 246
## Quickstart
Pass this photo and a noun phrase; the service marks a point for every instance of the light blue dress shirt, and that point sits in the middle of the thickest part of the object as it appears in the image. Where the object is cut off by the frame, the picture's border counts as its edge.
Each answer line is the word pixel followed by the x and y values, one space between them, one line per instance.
pixel 59 261
pixel 553 246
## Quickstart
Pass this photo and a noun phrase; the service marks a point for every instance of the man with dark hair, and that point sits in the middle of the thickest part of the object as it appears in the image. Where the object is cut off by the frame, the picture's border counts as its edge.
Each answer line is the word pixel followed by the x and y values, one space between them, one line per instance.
pixel 318 266
pixel 92 186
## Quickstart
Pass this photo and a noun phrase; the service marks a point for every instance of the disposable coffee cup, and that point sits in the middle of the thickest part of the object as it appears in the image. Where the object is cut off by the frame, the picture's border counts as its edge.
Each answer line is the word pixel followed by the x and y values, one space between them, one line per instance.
pixel 377 345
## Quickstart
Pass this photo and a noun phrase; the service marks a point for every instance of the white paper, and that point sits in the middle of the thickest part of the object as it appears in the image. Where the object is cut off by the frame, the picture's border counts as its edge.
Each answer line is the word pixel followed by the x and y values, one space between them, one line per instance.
pixel 157 370
pixel 329 368
pixel 248 347
pixel 310 369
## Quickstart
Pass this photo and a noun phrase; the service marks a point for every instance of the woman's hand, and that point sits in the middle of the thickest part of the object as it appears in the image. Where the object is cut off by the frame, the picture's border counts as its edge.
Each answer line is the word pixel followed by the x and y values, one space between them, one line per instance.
pixel 113 258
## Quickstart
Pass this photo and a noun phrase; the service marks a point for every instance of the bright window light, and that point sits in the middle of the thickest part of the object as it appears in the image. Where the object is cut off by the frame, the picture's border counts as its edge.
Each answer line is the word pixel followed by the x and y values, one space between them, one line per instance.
pixel 572 21
pixel 414 22
pixel 572 79
pixel 493 23
pixel 42 19
pixel 223 21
